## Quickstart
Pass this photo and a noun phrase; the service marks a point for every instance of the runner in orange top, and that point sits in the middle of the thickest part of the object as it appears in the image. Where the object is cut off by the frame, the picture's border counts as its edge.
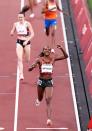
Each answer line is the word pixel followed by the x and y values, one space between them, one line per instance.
pixel 50 15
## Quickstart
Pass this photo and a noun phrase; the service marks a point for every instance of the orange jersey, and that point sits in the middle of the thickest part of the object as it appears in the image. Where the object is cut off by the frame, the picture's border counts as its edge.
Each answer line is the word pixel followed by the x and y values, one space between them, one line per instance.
pixel 52 11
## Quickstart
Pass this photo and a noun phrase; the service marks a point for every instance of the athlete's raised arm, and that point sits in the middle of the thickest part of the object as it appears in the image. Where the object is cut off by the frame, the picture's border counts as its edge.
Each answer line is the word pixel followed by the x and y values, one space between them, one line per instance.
pixel 61 57
pixel 34 65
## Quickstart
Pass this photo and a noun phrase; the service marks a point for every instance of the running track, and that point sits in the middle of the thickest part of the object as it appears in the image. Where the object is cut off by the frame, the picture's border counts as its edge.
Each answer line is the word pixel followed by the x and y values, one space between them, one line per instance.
pixel 24 115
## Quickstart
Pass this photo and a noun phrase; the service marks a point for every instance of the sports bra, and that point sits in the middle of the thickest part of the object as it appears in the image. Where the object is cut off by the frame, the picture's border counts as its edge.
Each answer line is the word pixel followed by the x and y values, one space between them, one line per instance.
pixel 46 66
pixel 21 28
pixel 52 10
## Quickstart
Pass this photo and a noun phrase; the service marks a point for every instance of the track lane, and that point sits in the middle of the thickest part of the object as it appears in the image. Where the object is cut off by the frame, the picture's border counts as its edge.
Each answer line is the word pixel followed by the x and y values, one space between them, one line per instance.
pixel 63 108
pixel 8 11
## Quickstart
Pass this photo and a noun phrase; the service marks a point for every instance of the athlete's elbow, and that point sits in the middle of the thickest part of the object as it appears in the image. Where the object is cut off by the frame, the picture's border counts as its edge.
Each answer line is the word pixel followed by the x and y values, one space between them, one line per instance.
pixel 66 56
pixel 32 34
pixel 11 34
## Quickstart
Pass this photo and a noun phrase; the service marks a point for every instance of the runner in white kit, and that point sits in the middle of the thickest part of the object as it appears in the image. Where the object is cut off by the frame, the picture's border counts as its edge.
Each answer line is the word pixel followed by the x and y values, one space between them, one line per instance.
pixel 24 34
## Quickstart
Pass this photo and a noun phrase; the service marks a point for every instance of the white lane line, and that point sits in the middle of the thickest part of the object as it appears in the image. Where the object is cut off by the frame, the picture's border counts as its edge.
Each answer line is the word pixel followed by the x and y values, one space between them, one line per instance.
pixel 17 89
pixel 47 128
pixel 16 101
pixel 70 71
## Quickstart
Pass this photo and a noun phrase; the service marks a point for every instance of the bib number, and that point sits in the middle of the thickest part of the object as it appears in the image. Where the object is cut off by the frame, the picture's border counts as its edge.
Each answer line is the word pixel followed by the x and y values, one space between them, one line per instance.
pixel 46 68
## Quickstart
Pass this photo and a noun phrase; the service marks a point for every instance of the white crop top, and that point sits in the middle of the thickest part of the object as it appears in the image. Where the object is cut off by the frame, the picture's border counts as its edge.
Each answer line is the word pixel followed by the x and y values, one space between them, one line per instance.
pixel 21 28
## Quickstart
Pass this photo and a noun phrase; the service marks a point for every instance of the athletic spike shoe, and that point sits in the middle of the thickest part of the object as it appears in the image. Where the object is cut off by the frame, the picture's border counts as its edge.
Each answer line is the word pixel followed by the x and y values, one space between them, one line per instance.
pixel 52 50
pixel 37 102
pixel 49 122
pixel 38 1
pixel 21 77
pixel 32 15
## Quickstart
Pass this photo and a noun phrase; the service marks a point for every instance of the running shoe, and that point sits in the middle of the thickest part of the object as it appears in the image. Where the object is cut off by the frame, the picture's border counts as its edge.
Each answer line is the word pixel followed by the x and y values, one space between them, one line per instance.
pixel 32 15
pixel 21 77
pixel 49 122
pixel 38 1
pixel 52 50
pixel 37 102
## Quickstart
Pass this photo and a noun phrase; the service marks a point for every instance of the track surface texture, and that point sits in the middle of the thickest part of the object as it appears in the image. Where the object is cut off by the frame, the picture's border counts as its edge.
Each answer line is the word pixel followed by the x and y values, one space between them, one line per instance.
pixel 30 117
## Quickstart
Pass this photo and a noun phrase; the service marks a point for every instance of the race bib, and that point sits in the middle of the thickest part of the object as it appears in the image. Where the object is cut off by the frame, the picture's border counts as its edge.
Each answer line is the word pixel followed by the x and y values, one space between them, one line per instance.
pixel 46 68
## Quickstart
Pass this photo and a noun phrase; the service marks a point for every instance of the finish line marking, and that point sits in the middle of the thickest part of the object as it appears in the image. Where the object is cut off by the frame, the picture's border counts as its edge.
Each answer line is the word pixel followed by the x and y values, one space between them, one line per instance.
pixel 17 88
pixel 47 128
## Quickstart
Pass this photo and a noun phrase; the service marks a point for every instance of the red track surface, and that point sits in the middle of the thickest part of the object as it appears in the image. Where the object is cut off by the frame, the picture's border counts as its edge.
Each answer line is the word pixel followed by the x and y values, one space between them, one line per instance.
pixel 30 116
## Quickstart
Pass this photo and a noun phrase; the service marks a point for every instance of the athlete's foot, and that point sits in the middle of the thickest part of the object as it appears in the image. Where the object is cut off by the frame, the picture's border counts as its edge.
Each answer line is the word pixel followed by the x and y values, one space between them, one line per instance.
pixel 37 102
pixel 32 15
pixel 44 30
pixel 38 1
pixel 49 122
pixel 21 77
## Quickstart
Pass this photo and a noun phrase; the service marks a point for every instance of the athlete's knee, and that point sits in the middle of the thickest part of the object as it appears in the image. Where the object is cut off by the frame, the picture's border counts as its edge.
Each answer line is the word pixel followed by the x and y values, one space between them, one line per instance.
pixel 47 31
pixel 28 59
pixel 40 98
pixel 48 100
pixel 20 61
pixel 53 33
